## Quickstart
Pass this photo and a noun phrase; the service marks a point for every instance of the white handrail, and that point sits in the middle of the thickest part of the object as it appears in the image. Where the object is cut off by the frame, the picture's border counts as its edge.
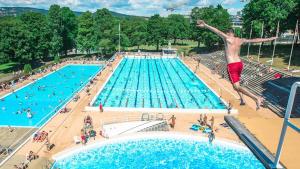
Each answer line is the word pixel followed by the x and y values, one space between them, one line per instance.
pixel 286 124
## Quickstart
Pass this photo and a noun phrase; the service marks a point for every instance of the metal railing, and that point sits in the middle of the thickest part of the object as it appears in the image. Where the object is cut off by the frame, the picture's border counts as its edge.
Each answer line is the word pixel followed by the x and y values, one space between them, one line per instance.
pixel 286 123
pixel 129 118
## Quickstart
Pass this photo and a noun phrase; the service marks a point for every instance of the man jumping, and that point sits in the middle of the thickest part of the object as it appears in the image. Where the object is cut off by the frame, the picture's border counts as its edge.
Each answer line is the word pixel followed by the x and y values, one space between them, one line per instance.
pixel 234 63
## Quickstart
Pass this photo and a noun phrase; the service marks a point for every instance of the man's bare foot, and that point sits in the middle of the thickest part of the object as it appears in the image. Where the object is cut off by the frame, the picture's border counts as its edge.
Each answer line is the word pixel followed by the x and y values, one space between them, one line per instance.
pixel 259 102
pixel 242 103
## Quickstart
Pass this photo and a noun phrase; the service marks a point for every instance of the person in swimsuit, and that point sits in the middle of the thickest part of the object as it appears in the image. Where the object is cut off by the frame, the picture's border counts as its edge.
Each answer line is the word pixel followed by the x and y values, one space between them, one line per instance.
pixel 173 121
pixel 234 63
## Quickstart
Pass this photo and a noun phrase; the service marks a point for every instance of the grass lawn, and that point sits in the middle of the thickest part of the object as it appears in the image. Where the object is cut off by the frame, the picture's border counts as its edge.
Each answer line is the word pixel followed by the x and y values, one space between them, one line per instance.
pixel 281 57
pixel 182 45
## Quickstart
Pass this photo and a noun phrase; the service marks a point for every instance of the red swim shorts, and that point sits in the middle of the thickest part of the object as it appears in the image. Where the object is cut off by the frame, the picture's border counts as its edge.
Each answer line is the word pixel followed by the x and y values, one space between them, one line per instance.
pixel 234 71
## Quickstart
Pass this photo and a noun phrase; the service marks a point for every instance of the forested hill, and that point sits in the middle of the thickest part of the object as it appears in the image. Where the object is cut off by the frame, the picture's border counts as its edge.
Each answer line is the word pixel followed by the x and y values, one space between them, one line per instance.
pixel 15 11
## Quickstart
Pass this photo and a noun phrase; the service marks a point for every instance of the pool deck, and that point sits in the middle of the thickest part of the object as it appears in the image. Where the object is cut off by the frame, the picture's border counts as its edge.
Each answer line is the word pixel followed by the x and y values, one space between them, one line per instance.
pixel 259 150
pixel 263 124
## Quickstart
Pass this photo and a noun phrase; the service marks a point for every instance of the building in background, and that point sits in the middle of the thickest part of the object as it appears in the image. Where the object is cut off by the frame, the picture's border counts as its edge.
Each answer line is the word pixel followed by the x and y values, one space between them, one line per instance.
pixel 236 20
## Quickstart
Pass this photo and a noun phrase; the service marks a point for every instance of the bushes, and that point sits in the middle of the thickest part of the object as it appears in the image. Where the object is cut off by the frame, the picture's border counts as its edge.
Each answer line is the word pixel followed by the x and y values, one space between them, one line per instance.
pixel 56 59
pixel 27 69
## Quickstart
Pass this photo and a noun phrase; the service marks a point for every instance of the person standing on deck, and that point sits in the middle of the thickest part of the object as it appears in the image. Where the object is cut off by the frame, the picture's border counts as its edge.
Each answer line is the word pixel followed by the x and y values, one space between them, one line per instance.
pixel 173 121
pixel 234 63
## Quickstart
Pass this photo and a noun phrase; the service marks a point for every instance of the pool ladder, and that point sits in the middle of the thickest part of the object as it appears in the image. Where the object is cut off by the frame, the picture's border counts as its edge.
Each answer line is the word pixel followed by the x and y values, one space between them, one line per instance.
pixel 127 100
pixel 175 102
pixel 159 102
pixel 145 117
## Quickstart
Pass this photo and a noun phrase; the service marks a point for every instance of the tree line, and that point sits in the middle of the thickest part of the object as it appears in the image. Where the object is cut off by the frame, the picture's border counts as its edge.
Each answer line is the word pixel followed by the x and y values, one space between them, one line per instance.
pixel 36 37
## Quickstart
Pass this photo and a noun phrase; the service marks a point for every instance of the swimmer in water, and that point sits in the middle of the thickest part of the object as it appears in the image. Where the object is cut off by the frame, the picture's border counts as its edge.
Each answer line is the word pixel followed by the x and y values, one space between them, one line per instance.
pixel 29 115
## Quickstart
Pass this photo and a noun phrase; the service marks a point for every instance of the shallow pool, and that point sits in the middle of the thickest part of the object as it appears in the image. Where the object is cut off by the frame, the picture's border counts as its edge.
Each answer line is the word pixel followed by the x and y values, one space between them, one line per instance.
pixel 161 151
pixel 44 96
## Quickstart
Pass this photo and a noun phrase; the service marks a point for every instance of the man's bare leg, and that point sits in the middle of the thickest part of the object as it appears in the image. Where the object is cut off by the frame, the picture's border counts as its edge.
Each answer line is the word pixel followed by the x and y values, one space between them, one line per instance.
pixel 240 90
pixel 241 97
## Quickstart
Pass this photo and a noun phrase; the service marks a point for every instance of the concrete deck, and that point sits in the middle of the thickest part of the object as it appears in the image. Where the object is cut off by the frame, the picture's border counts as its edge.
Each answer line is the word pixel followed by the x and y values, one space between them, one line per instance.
pixel 259 150
pixel 264 124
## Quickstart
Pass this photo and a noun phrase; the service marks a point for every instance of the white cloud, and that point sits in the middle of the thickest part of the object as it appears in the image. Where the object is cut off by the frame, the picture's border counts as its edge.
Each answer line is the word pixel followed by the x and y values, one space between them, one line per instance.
pixel 233 11
pixel 204 3
pixel 133 7
pixel 229 2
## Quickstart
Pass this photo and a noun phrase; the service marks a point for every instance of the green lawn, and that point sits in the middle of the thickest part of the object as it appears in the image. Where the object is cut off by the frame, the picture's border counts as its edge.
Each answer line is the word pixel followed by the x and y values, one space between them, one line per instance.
pixel 182 45
pixel 281 57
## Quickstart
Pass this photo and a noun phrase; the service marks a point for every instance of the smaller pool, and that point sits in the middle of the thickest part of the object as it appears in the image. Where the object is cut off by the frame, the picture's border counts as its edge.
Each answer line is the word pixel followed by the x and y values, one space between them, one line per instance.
pixel 45 96
pixel 159 151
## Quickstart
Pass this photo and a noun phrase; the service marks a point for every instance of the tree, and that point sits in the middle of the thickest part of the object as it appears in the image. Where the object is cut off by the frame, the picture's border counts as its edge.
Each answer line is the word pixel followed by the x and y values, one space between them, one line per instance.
pixel 292 19
pixel 56 59
pixel 214 16
pixel 27 69
pixel 63 25
pixel 55 24
pixel 196 31
pixel 136 31
pixel 68 29
pixel 9 32
pixel 85 32
pixel 105 31
pixel 178 27
pixel 238 32
pixel 268 12
pixel 156 31
pixel 33 42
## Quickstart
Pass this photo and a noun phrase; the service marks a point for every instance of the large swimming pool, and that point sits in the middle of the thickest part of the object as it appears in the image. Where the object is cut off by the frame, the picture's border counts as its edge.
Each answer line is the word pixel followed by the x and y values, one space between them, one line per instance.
pixel 44 96
pixel 156 83
pixel 160 151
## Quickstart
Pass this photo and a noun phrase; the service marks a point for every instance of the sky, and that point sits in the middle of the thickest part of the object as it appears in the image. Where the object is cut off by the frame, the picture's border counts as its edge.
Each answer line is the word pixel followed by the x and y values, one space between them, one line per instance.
pixel 131 7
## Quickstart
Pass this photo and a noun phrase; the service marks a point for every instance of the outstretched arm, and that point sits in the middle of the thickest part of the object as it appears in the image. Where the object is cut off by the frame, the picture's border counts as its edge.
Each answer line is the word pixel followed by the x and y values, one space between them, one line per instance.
pixel 259 40
pixel 202 24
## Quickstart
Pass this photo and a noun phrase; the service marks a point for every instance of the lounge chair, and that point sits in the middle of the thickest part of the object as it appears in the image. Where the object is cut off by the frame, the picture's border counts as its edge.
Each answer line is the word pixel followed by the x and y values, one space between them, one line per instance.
pixel 5 150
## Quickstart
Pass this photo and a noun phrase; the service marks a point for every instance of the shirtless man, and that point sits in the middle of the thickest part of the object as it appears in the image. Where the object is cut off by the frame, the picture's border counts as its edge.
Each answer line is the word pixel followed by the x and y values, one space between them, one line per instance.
pixel 234 63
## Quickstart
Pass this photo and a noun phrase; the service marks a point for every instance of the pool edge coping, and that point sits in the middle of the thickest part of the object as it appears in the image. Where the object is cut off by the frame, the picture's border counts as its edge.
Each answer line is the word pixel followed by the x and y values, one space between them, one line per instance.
pixel 145 135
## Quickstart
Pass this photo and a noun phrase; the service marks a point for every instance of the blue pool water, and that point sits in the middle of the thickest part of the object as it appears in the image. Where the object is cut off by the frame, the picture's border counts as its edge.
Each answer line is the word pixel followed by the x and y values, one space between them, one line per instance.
pixel 160 153
pixel 156 83
pixel 45 95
